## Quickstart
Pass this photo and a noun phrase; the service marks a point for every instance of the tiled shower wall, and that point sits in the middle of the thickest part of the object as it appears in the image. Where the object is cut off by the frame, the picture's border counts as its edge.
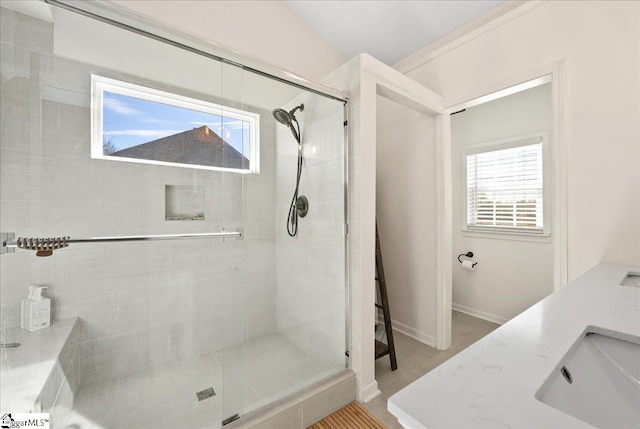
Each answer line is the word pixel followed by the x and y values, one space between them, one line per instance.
pixel 311 266
pixel 140 304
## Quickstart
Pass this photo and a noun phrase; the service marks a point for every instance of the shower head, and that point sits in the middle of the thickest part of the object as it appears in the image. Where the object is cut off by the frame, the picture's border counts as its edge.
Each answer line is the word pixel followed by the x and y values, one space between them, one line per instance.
pixel 282 116
pixel 288 118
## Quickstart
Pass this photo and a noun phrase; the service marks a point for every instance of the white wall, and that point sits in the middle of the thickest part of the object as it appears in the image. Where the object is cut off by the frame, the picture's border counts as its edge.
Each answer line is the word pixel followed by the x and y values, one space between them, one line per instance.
pixel 365 77
pixel 172 298
pixel 511 275
pixel 92 42
pixel 265 29
pixel 406 214
pixel 310 267
pixel 600 45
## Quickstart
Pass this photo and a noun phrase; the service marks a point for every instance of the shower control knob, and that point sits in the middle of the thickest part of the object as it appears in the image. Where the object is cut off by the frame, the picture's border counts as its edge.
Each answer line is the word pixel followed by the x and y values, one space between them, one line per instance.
pixel 302 206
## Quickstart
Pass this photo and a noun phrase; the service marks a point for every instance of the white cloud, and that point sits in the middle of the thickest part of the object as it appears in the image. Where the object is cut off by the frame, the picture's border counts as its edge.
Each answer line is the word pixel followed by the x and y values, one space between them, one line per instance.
pixel 120 107
pixel 156 121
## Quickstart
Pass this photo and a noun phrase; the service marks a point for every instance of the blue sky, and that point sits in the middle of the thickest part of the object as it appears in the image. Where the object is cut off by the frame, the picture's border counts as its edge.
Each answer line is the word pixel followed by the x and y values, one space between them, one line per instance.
pixel 132 121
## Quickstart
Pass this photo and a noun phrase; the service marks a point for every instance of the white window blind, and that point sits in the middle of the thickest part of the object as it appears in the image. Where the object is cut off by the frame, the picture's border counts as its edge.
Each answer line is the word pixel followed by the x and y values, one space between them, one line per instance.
pixel 505 189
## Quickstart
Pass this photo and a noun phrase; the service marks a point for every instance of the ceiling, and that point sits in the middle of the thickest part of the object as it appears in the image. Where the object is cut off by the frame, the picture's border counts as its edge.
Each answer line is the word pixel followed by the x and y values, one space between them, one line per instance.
pixel 387 30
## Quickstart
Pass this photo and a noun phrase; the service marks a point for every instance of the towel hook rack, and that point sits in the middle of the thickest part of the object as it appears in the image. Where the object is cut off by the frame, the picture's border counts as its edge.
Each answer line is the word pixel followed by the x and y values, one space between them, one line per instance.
pixel 46 246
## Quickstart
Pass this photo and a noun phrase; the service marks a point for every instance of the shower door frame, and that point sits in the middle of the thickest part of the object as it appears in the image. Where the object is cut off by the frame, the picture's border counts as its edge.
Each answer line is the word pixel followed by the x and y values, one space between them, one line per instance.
pixel 160 31
pixel 148 27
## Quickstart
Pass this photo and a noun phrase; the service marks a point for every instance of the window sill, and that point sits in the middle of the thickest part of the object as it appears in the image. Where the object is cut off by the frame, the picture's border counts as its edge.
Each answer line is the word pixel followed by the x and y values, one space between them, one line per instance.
pixel 508 235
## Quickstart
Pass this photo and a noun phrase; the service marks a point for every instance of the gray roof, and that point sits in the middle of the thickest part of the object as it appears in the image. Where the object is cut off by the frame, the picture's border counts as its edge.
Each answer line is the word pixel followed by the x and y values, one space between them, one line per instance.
pixel 199 146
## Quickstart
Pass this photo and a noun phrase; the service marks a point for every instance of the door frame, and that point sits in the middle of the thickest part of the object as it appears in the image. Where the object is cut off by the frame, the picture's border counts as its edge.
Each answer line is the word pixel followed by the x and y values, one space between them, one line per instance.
pixel 376 78
pixel 444 196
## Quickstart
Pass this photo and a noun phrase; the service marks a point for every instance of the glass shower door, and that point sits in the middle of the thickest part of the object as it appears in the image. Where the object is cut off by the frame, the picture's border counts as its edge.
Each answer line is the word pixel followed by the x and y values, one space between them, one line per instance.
pixel 185 333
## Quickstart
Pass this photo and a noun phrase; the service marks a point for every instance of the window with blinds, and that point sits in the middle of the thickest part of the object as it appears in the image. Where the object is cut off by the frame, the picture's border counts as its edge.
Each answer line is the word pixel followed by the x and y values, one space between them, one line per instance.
pixel 505 187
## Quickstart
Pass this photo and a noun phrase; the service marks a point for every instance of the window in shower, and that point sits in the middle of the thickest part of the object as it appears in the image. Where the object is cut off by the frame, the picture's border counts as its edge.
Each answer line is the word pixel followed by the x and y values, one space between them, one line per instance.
pixel 134 123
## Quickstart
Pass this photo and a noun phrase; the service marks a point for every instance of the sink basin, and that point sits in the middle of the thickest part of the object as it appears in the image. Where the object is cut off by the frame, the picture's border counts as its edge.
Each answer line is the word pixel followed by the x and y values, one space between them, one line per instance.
pixel 598 380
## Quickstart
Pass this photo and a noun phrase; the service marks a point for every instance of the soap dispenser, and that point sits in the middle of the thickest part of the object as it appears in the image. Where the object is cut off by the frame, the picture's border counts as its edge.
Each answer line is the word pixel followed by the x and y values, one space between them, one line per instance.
pixel 37 310
pixel 24 305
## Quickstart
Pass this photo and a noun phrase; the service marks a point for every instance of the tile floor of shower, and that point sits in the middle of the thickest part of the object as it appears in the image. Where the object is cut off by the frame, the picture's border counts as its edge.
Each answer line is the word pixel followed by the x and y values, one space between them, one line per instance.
pixel 272 368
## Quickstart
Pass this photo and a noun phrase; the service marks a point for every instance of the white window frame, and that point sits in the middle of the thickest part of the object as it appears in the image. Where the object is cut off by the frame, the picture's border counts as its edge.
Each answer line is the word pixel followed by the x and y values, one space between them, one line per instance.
pixel 506 232
pixel 100 84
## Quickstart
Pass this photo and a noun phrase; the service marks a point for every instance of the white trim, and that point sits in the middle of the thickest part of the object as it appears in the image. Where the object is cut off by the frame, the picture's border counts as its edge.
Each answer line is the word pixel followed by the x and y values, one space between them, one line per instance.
pixel 444 231
pixel 377 78
pixel 501 15
pixel 511 233
pixel 559 179
pixel 367 201
pixel 399 88
pixel 410 332
pixel 558 158
pixel 507 235
pixel 479 314
pixel 503 93
pixel 100 84
pixel 370 391
pixel 503 84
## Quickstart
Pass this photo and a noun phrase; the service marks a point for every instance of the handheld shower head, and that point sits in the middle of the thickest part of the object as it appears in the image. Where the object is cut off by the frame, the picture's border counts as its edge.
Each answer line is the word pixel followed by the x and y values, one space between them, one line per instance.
pixel 282 116
pixel 299 204
pixel 288 118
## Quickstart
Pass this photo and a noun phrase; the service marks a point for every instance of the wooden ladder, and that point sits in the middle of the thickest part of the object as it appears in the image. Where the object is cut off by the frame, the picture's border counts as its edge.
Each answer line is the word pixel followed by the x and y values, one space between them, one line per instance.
pixel 383 349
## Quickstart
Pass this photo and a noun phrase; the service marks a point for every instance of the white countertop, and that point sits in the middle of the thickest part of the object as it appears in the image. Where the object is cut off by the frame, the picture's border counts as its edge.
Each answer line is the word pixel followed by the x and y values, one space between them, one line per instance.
pixel 24 370
pixel 492 383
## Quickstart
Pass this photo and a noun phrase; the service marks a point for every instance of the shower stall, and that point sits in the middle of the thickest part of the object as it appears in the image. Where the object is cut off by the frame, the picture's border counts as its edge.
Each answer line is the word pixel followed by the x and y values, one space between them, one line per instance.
pixel 151 177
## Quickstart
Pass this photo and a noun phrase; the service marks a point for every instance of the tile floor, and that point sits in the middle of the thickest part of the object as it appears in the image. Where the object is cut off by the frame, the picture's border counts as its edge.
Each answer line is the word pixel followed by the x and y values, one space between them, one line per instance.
pixel 416 359
pixel 271 367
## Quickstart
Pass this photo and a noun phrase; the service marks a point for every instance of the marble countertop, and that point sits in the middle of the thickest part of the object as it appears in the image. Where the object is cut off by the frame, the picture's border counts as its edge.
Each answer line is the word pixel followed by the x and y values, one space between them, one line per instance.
pixel 492 384
pixel 24 370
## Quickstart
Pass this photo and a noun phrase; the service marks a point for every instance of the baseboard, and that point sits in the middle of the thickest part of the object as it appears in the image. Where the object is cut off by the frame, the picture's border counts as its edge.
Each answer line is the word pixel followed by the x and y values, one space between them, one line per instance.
pixel 369 392
pixel 479 314
pixel 430 340
pixel 410 332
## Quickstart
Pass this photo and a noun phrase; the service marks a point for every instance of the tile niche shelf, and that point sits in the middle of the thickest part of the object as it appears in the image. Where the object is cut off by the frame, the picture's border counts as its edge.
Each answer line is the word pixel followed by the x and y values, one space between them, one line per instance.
pixel 184 202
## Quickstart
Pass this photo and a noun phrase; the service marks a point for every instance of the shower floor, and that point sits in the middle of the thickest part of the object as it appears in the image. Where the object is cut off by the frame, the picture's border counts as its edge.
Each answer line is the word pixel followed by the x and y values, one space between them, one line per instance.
pixel 272 367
